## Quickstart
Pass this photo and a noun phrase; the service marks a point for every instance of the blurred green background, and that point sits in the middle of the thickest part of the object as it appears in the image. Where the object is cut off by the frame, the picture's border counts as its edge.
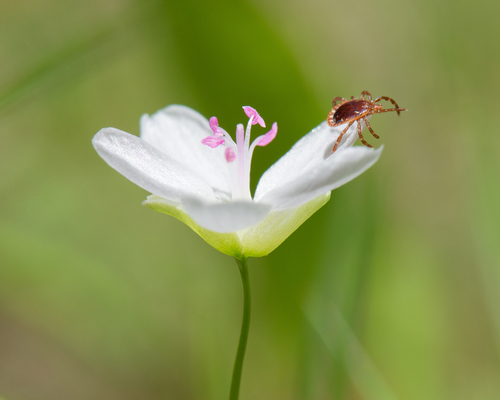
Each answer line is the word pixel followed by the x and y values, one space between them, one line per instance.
pixel 391 291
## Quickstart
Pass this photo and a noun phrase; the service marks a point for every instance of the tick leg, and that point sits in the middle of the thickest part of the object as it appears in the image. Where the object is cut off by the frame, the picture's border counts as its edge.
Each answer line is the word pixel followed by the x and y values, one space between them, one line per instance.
pixel 387 99
pixel 341 135
pixel 334 101
pixel 361 136
pixel 364 92
pixel 370 128
pixel 390 109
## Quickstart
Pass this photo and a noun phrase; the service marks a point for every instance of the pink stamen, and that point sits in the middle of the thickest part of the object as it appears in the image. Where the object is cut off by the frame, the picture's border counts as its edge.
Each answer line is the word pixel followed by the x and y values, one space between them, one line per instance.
pixel 214 125
pixel 240 145
pixel 264 140
pixel 240 150
pixel 252 112
pixel 229 154
pixel 213 141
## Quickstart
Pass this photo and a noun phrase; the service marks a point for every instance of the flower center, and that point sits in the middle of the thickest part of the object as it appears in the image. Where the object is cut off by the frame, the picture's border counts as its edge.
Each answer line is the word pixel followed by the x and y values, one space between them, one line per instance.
pixel 239 155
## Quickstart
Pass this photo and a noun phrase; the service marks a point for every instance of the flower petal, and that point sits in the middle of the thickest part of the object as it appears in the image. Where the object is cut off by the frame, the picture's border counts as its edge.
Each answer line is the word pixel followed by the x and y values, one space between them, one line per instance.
pixel 308 152
pixel 178 132
pixel 225 217
pixel 341 167
pixel 148 167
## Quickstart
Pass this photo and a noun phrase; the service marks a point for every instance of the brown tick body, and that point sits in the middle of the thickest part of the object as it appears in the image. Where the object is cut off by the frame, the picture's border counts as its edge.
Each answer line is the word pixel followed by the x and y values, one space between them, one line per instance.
pixel 357 110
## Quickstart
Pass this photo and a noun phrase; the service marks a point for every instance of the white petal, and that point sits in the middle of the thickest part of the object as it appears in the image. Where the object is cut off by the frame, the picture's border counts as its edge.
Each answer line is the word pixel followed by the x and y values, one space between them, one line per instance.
pixel 341 167
pixel 308 152
pixel 148 167
pixel 177 131
pixel 225 217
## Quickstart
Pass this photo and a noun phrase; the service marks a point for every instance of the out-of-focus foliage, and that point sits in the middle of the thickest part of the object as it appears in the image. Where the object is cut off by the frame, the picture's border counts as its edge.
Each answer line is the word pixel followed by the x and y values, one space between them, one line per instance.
pixel 391 291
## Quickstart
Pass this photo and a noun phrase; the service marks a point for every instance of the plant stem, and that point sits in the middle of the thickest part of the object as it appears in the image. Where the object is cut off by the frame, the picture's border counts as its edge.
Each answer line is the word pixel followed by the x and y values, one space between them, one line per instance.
pixel 245 325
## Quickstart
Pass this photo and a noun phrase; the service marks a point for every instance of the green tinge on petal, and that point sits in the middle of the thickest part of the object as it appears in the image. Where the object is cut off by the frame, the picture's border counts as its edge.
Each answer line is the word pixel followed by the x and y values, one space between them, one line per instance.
pixel 256 241
pixel 262 238
pixel 227 243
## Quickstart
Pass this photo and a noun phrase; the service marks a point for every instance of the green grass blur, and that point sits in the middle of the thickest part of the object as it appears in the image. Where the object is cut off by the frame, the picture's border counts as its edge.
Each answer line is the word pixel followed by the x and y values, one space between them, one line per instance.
pixel 391 291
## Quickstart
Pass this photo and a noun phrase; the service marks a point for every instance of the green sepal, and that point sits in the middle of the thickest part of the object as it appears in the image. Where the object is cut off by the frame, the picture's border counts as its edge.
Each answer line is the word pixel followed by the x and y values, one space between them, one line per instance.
pixel 256 241
pixel 227 243
pixel 262 238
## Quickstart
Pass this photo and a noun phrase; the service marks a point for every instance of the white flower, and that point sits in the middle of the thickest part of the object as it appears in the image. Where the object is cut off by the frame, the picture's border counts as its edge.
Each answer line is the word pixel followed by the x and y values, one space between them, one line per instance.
pixel 198 174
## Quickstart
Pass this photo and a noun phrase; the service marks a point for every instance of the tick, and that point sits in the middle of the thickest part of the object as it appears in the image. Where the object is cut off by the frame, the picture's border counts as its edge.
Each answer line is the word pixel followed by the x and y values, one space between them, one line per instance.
pixel 357 110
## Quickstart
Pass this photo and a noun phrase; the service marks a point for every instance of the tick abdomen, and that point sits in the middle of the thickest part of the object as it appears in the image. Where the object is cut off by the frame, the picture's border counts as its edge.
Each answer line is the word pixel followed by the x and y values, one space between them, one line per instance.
pixel 351 109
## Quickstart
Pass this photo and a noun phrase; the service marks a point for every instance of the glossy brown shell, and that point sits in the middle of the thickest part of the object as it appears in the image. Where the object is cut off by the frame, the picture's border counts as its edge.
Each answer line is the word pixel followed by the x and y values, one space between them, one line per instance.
pixel 351 110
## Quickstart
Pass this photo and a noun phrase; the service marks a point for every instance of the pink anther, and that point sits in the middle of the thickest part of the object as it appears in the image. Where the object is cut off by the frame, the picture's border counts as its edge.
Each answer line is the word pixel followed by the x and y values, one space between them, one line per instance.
pixel 213 141
pixel 214 125
pixel 229 154
pixel 252 112
pixel 264 140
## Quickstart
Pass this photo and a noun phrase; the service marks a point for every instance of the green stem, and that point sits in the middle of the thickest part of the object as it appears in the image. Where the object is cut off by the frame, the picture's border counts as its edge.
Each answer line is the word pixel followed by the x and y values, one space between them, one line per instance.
pixel 245 325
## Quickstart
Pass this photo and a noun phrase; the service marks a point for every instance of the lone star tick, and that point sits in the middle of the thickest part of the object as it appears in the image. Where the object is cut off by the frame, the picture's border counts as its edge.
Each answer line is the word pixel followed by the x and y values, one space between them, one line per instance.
pixel 357 110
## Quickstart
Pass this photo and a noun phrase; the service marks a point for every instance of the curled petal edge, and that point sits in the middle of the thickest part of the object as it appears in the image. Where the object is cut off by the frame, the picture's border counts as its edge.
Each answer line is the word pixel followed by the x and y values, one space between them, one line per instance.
pixel 335 171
